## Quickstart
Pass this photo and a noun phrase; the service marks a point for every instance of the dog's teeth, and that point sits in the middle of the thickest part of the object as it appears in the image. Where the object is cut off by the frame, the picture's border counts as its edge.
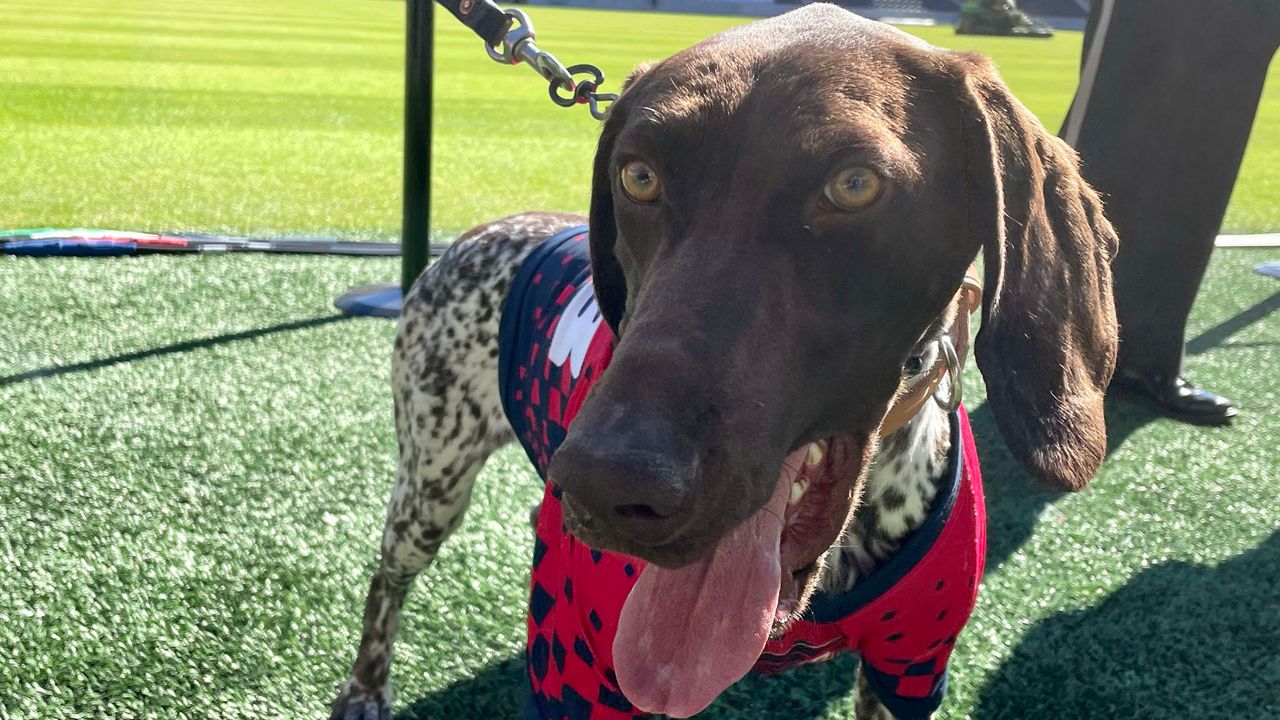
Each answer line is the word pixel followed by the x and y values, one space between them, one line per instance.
pixel 797 490
pixel 816 451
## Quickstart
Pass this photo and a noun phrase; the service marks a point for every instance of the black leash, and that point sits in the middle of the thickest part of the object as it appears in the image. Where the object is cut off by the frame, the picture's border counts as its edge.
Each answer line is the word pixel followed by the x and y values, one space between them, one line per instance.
pixel 485 18
pixel 509 39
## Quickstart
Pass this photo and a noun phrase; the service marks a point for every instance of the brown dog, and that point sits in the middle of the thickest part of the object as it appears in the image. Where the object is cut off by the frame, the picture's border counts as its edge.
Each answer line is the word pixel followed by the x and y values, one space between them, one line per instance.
pixel 780 218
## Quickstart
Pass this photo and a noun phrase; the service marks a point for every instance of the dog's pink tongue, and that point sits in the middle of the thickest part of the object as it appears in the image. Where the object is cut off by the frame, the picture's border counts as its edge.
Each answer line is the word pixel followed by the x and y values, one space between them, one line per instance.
pixel 686 635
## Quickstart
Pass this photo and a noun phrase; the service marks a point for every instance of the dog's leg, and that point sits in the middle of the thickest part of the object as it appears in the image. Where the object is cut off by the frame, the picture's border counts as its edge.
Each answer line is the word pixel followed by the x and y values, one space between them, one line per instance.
pixel 900 492
pixel 449 419
pixel 867 706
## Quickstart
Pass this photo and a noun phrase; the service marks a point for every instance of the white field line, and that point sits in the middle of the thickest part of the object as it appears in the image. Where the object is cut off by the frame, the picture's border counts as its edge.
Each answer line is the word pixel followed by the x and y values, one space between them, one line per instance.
pixel 1264 240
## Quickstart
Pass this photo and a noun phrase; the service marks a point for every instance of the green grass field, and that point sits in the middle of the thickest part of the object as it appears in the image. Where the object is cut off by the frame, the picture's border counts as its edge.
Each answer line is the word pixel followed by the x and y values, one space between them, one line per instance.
pixel 195 452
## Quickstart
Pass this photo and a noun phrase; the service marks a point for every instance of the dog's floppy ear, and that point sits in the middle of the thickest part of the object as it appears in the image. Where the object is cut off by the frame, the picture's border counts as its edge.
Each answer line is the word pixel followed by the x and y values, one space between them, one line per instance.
pixel 606 273
pixel 1047 346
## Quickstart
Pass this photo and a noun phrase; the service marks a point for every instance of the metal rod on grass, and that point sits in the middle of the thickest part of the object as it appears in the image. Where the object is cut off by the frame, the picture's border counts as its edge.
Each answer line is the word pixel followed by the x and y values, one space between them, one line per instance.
pixel 415 233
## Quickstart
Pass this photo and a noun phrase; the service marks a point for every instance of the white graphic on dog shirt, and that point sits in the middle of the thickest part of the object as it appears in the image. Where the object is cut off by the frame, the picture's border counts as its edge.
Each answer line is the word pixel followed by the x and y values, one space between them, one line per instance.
pixel 576 328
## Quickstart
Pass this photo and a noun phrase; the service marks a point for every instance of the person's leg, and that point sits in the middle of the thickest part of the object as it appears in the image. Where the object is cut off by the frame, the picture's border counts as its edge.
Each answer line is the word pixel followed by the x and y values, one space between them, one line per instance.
pixel 1167 97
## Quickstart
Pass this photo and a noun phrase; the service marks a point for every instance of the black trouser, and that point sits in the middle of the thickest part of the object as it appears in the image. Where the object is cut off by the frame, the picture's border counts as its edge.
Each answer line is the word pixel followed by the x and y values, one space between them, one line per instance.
pixel 1167 96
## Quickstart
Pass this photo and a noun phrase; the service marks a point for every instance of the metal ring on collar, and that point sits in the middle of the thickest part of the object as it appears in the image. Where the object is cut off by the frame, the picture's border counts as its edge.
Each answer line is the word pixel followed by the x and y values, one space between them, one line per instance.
pixel 950 403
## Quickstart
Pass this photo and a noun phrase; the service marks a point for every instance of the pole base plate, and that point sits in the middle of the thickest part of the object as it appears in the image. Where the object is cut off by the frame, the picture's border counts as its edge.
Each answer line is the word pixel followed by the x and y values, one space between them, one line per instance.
pixel 376 300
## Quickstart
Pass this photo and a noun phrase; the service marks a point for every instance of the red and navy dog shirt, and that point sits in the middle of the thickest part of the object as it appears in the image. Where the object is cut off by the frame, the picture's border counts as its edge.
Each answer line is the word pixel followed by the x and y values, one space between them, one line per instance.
pixel 903 619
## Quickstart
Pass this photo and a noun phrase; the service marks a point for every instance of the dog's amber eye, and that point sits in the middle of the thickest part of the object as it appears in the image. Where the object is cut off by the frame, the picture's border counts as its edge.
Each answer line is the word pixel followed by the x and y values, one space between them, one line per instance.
pixel 640 182
pixel 853 188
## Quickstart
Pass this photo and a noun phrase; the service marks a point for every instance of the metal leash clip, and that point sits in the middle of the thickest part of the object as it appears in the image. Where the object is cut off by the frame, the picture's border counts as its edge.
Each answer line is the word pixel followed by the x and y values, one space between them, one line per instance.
pixel 584 92
pixel 955 386
pixel 518 46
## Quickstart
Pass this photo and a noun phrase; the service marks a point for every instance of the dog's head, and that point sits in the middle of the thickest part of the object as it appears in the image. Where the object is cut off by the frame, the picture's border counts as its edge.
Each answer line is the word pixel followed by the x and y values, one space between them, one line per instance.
pixel 778 215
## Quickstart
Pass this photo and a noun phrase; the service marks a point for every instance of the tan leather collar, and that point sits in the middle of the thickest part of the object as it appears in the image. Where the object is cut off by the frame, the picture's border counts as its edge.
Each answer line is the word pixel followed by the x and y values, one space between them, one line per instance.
pixel 908 403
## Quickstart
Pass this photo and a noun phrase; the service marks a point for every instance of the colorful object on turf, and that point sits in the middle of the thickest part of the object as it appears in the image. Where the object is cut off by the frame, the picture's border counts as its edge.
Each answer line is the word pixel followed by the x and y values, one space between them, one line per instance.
pixel 85 242
pixel 1270 268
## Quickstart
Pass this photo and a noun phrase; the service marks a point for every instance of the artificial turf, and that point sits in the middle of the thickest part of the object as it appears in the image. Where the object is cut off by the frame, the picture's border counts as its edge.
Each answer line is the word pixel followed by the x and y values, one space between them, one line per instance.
pixel 195 452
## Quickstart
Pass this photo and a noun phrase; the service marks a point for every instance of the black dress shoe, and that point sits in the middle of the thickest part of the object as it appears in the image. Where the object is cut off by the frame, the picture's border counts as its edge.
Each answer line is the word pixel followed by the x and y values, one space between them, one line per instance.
pixel 1177 398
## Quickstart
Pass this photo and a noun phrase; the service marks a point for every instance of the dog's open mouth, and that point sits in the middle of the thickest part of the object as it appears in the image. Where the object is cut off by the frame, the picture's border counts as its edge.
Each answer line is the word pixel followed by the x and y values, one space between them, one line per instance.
pixel 685 635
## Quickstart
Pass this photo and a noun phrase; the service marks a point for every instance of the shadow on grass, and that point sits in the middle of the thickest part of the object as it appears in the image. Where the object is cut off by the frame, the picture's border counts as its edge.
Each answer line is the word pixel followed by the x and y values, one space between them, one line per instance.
pixel 1127 414
pixel 495 692
pixel 181 347
pixel 1177 641
pixel 1015 500
pixel 1216 335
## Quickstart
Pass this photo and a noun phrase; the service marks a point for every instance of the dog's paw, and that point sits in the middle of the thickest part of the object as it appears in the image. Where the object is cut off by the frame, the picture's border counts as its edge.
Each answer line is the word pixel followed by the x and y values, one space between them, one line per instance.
pixel 355 702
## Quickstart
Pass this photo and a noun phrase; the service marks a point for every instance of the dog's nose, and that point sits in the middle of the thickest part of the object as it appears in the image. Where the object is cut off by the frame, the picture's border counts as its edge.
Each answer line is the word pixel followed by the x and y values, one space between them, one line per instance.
pixel 635 480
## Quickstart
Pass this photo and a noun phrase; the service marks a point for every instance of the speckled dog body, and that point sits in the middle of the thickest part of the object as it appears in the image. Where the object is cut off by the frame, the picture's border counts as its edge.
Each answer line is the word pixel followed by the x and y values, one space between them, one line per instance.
pixel 449 419
pixel 828 293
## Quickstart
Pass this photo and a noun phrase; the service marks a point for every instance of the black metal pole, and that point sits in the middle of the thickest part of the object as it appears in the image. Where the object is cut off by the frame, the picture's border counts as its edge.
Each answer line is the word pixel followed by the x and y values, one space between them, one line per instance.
pixel 415 232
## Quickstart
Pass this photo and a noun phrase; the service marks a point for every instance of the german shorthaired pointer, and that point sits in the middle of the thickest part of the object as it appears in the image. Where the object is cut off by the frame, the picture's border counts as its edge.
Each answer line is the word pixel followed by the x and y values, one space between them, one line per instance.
pixel 781 221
